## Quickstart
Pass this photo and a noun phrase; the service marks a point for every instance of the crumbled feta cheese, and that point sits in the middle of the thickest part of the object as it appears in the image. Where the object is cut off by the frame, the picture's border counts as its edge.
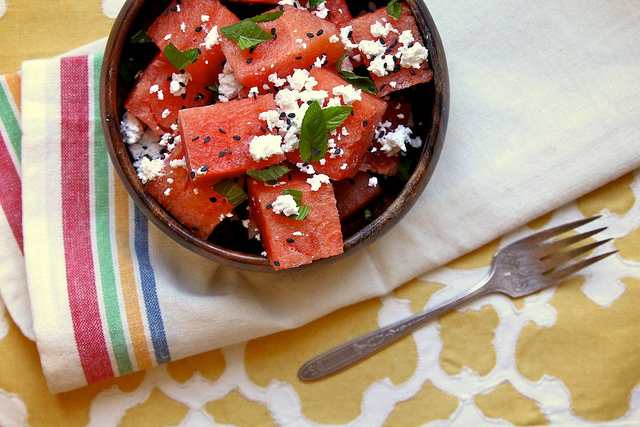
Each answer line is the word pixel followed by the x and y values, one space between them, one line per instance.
pixel 131 127
pixel 272 117
pixel 413 56
pixel 320 61
pixel 228 85
pixel 178 163
pixel 166 113
pixel 345 32
pixel 381 65
pixel 298 79
pixel 183 27
pixel 393 142
pixel 344 166
pixel 306 168
pixel 406 37
pixel 179 82
pixel 416 142
pixel 373 182
pixel 321 11
pixel 149 169
pixel 297 233
pixel 393 84
pixel 204 18
pixel 349 93
pixel 334 39
pixel 371 48
pixel 317 180
pixel 287 99
pixel 153 88
pixel 253 92
pixel 264 146
pixel 277 82
pixel 167 191
pixel 212 39
pixel 167 37
pixel 285 204
pixel 380 30
pixel 160 95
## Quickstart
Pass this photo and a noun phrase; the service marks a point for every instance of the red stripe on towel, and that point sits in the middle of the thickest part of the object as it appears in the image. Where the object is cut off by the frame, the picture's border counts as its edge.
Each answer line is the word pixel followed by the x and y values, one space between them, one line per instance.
pixel 11 194
pixel 76 219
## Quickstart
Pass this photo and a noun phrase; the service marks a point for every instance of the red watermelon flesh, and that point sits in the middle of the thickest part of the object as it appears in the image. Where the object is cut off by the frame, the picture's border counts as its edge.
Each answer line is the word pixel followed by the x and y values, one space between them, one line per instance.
pixel 344 160
pixel 402 77
pixel 195 205
pixel 186 24
pixel 355 193
pixel 289 242
pixel 398 113
pixel 151 99
pixel 300 38
pixel 338 11
pixel 217 137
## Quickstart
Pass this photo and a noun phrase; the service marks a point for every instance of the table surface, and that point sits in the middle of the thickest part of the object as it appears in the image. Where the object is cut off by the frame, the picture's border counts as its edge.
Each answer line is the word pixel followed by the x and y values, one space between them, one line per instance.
pixel 473 364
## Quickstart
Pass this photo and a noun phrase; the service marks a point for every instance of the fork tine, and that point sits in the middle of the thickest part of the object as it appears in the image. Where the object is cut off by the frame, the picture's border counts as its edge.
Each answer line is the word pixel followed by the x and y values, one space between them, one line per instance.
pixel 567 271
pixel 555 261
pixel 561 244
pixel 552 232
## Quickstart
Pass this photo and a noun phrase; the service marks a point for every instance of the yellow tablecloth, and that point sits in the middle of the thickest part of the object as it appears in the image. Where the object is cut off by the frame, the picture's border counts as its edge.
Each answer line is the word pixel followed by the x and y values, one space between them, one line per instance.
pixel 584 363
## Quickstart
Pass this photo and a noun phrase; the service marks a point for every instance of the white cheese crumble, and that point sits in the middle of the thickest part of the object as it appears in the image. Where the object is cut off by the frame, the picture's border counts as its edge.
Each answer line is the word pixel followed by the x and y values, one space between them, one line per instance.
pixel 179 81
pixel 204 18
pixel 166 113
pixel 344 37
pixel 285 204
pixel 167 37
pixel 381 65
pixel 212 39
pixel 306 168
pixel 149 169
pixel 349 93
pixel 317 180
pixel 272 117
pixel 253 92
pixel 321 11
pixel 393 142
pixel 371 48
pixel 277 82
pixel 183 27
pixel 228 85
pixel 373 182
pixel 264 146
pixel 382 30
pixel 131 128
pixel 153 88
pixel 413 56
pixel 334 39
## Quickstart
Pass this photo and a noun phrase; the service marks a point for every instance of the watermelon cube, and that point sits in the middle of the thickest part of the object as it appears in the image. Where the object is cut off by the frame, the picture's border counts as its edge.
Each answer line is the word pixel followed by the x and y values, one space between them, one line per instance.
pixel 354 194
pixel 152 101
pixel 195 205
pixel 299 38
pixel 218 138
pixel 394 55
pixel 194 24
pixel 291 242
pixel 354 136
pixel 335 11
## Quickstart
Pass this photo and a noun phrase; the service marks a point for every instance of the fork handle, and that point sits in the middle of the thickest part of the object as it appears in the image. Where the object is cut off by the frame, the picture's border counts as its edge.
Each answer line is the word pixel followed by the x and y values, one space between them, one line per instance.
pixel 352 352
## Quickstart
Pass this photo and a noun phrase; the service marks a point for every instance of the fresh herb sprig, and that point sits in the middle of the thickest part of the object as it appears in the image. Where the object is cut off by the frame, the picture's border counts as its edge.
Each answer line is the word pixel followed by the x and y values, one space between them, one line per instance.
pixel 247 33
pixel 231 191
pixel 178 58
pixel 394 9
pixel 360 82
pixel 303 211
pixel 269 175
pixel 316 124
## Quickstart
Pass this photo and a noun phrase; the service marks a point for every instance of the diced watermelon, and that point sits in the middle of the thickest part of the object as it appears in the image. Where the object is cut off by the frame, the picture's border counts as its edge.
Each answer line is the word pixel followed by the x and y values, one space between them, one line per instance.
pixel 195 205
pixel 338 11
pixel 344 160
pixel 186 24
pixel 299 39
pixel 217 137
pixel 151 99
pixel 398 113
pixel 290 242
pixel 400 77
pixel 355 193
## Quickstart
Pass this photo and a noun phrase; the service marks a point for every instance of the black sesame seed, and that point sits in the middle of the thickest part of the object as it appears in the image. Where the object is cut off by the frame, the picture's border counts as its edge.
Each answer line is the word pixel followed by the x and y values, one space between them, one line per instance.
pixel 169 78
pixel 179 1
pixel 195 138
pixel 198 29
pixel 263 129
pixel 213 199
pixel 316 150
pixel 352 181
pixel 310 35
pixel 222 131
pixel 281 7
pixel 350 34
pixel 319 33
pixel 166 12
pixel 283 115
pixel 183 84
pixel 291 115
pixel 204 168
pixel 413 73
pixel 309 102
pixel 237 137
pixel 290 240
pixel 382 86
pixel 305 164
pixel 251 50
pixel 171 140
pixel 382 42
pixel 298 58
pixel 174 8
pixel 273 31
pixel 207 138
pixel 199 51
pixel 194 228
pixel 276 263
pixel 365 123
pixel 249 60
pixel 269 206
pixel 394 44
pixel 221 154
pixel 184 96
pixel 192 174
pixel 226 150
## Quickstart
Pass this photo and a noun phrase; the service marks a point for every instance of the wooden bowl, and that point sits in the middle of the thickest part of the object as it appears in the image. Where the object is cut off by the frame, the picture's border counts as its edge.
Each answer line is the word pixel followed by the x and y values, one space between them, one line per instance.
pixel 430 108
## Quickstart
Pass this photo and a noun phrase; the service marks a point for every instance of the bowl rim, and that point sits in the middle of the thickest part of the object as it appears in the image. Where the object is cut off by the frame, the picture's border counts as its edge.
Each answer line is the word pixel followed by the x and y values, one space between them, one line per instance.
pixel 152 210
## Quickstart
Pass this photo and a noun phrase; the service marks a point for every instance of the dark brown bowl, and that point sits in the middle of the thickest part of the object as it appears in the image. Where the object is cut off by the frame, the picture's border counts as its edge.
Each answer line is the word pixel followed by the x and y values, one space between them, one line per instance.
pixel 430 108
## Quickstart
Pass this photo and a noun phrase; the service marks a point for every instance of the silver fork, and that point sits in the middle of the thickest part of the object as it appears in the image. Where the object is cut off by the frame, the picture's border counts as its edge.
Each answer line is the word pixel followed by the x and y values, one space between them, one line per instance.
pixel 519 269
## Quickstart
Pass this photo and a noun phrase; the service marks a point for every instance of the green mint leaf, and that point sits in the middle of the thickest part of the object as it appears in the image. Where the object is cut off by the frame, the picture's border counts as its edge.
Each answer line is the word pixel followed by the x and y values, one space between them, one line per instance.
pixel 303 211
pixel 296 194
pixel 269 16
pixel 141 37
pixel 360 82
pixel 394 9
pixel 246 33
pixel 339 63
pixel 178 58
pixel 270 174
pixel 230 191
pixel 314 3
pixel 335 116
pixel 367 214
pixel 313 134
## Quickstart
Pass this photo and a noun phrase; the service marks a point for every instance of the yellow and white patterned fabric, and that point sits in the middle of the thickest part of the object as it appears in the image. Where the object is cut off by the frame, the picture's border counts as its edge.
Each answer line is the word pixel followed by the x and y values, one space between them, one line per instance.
pixel 566 356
